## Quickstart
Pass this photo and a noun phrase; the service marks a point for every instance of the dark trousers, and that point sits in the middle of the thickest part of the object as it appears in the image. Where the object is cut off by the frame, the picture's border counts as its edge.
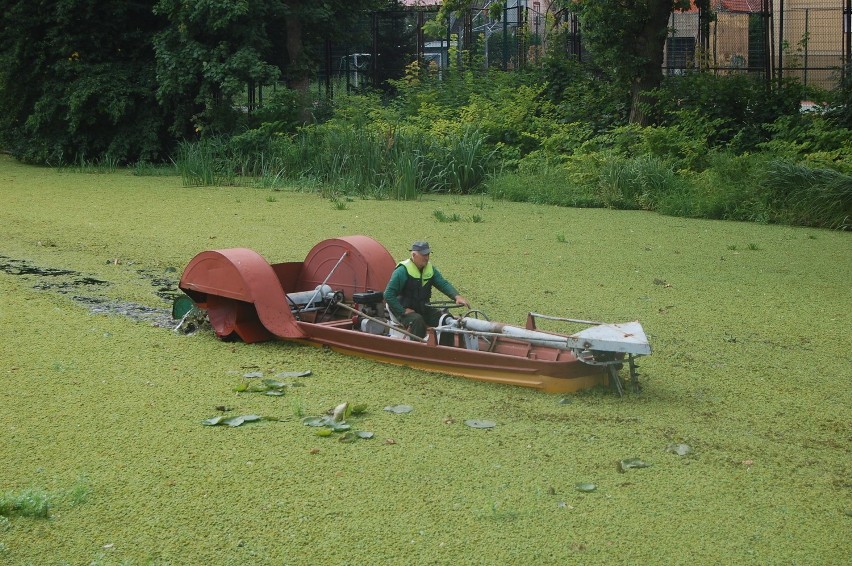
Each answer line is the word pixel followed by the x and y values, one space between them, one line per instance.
pixel 416 323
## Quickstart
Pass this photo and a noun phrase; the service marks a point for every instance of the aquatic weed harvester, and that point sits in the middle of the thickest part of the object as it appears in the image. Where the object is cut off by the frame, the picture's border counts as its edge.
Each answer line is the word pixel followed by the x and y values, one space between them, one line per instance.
pixel 334 298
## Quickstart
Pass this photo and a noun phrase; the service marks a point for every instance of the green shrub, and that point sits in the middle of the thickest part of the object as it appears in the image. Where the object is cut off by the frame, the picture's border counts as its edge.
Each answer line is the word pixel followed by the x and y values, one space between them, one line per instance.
pixel 641 182
pixel 542 181
pixel 806 196
pixel 205 163
pixel 811 137
pixel 840 101
pixel 729 188
pixel 738 105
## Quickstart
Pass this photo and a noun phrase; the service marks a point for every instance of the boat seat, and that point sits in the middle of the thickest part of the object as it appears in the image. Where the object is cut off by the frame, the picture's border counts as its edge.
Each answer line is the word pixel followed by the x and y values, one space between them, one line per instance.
pixel 392 332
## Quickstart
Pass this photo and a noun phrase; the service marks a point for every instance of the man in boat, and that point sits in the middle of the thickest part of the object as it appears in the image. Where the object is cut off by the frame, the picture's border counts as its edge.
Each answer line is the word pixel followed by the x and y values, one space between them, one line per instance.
pixel 410 288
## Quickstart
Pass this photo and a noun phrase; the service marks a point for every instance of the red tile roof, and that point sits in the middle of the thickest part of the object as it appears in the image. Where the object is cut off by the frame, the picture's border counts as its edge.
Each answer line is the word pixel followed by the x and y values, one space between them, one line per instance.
pixel 740 6
pixel 745 6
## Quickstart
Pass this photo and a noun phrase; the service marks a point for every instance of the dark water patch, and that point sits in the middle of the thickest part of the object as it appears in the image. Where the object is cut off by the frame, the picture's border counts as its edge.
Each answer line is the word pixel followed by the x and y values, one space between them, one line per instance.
pixel 135 311
pixel 68 286
pixel 48 278
pixel 166 283
pixel 23 267
pixel 70 282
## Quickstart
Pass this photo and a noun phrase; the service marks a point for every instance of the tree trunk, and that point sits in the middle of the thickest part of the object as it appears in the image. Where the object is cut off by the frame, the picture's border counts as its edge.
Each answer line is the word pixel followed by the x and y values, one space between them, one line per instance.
pixel 297 75
pixel 649 48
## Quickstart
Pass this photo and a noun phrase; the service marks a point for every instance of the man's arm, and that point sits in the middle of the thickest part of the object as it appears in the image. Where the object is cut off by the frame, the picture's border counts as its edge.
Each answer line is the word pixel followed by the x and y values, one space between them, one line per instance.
pixel 447 288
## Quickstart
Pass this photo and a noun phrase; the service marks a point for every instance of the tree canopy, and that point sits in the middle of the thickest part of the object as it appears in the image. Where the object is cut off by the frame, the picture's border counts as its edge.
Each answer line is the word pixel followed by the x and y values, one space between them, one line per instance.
pixel 77 78
pixel 87 79
pixel 627 38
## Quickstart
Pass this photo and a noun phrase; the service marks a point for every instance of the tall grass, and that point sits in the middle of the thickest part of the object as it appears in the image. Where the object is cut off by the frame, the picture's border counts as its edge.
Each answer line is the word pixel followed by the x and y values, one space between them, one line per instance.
pixel 406 167
pixel 640 182
pixel 198 163
pixel 394 162
pixel 466 161
pixel 810 197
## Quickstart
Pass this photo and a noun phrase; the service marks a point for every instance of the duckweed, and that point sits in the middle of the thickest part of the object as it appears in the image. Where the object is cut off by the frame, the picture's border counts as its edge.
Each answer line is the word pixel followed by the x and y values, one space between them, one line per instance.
pixel 750 370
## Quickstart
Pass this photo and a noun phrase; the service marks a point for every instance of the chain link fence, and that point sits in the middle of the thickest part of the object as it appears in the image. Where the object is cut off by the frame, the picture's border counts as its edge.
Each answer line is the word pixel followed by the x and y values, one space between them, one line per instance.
pixel 764 38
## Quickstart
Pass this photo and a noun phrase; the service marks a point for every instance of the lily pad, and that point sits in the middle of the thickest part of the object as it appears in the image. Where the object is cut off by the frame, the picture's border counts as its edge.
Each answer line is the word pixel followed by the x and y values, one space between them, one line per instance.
pixel 253 374
pixel 274 383
pixel 284 374
pixel 476 423
pixel 274 393
pixel 679 449
pixel 364 434
pixel 631 463
pixel 585 487
pixel 399 409
pixel 231 421
pixel 316 421
pixel 324 432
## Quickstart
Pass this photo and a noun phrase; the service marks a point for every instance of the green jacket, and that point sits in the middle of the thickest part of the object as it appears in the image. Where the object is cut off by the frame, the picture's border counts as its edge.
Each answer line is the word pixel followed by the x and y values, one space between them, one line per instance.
pixel 410 288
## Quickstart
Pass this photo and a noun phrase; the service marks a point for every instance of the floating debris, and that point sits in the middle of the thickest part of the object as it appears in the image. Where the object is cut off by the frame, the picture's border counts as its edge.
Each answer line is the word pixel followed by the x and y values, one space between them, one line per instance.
pixel 286 374
pixel 476 423
pixel 679 449
pixel 630 463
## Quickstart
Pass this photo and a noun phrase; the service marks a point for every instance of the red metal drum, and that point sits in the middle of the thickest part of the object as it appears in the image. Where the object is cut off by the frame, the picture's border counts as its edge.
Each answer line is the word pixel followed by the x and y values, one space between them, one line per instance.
pixel 366 266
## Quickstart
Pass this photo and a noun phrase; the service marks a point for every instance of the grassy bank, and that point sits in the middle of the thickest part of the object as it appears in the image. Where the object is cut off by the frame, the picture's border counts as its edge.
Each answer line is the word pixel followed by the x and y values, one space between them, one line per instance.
pixel 102 413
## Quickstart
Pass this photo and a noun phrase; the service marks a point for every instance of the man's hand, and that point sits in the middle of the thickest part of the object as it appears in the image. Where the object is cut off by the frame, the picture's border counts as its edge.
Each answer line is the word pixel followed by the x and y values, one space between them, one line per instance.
pixel 462 301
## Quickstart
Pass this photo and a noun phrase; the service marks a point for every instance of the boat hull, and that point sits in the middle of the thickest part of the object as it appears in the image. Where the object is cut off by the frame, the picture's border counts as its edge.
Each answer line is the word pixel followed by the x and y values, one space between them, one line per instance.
pixel 249 299
pixel 564 374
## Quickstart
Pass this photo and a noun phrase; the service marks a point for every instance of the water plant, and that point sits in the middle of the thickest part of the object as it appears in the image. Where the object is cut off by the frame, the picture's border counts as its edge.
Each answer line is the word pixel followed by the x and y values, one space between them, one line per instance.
pixel 442 216
pixel 30 502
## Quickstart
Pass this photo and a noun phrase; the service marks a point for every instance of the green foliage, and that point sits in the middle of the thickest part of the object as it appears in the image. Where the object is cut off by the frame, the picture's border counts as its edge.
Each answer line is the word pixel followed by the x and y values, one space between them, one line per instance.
pixel 812 138
pixel 542 181
pixel 204 163
pixel 206 55
pixel 443 217
pixel 379 160
pixel 232 422
pixel 26 503
pixel 557 133
pixel 840 108
pixel 639 182
pixel 730 110
pixel 727 189
pixel 335 420
pixel 581 93
pixel 627 40
pixel 611 28
pixel 76 82
pixel 798 194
